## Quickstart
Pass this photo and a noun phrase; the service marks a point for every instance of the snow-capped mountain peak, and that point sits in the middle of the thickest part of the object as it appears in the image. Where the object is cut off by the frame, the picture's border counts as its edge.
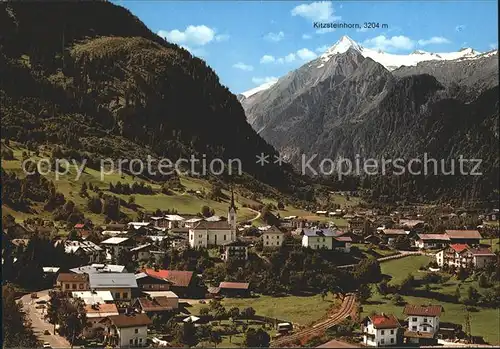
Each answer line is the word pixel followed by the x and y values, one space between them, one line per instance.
pixel 259 88
pixel 341 46
pixel 389 60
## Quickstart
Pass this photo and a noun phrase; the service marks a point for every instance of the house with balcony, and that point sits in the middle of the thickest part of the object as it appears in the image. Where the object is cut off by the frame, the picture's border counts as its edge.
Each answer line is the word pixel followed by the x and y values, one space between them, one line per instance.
pixel 380 330
pixel 423 323
pixel 121 285
pixel 235 251
pixel 469 237
pixel 432 241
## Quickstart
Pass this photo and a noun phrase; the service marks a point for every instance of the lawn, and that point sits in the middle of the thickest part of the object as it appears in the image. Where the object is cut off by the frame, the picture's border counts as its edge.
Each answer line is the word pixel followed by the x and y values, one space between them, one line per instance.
pixel 297 309
pixel 493 243
pixel 377 251
pixel 484 322
pixel 399 269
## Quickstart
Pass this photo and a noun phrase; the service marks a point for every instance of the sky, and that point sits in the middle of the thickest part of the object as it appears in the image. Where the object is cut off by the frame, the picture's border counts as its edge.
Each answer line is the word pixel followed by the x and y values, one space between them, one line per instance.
pixel 249 43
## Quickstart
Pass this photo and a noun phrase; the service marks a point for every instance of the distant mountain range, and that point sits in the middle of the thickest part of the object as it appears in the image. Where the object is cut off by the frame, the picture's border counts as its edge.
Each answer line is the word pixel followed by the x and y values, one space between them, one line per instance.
pixel 352 100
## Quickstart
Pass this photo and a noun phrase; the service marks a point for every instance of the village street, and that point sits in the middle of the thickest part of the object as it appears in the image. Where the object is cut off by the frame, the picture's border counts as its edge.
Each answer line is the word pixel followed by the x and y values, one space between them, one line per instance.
pixel 39 324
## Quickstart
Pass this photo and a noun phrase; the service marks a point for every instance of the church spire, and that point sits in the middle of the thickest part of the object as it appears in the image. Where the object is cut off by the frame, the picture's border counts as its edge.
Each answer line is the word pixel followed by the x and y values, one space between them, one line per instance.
pixel 233 206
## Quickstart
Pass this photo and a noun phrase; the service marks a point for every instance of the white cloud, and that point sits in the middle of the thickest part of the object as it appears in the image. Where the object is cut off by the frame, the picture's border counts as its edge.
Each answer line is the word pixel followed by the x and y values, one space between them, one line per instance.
pixel 267 59
pixel 243 66
pixel 193 35
pixel 434 41
pixel 390 44
pixel 222 37
pixel 306 36
pixel 325 30
pixel 290 57
pixel 319 11
pixel 274 36
pixel 460 27
pixel 263 80
pixel 306 54
pixel 322 49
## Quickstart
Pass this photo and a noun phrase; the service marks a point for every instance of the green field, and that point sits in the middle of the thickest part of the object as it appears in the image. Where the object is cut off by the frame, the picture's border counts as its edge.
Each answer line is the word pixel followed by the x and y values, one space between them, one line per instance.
pixel 299 310
pixel 484 322
pixel 399 269
pixel 493 243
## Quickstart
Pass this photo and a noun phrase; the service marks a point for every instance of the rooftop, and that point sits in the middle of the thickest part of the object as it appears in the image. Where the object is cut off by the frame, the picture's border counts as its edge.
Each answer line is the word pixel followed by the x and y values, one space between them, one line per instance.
pixel 112 280
pixel 99 268
pixel 71 277
pixel 320 232
pixel 132 320
pixel 234 285
pixel 217 225
pixel 463 234
pixel 101 310
pixel 441 237
pixel 459 247
pixel 423 310
pixel 381 321
pixel 179 278
pixel 114 241
pixel 92 297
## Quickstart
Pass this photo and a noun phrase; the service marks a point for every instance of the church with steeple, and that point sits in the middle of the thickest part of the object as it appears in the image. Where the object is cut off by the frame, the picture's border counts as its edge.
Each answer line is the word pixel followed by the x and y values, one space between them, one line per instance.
pixel 215 233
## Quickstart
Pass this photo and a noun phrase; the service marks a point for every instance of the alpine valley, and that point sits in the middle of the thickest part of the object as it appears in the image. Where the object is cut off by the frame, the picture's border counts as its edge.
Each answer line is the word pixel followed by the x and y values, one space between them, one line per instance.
pixel 352 101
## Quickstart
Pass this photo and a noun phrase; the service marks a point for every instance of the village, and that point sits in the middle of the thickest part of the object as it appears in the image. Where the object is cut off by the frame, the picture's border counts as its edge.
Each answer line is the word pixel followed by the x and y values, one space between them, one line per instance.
pixel 187 279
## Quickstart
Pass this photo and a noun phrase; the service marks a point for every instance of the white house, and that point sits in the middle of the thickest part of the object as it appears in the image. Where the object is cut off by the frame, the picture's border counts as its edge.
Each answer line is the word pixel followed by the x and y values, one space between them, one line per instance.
pixel 174 221
pixel 462 255
pixel 423 322
pixel 206 234
pixel 272 238
pixel 235 250
pixel 126 330
pixel 380 330
pixel 480 257
pixel 325 239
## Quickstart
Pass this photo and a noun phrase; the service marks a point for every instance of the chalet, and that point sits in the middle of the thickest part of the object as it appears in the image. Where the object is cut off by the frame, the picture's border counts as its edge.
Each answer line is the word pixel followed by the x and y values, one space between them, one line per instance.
pixel 479 257
pixel 142 252
pixel 154 305
pixel 95 313
pixel 469 237
pixel 85 249
pixel 128 330
pixel 451 256
pixel 235 251
pixel 234 289
pixel 272 238
pixel 115 245
pixel 206 234
pixel 423 323
pixel 121 285
pixel 174 221
pixel 380 330
pixel 429 241
pixel 159 222
pixel 72 282
pixel 180 282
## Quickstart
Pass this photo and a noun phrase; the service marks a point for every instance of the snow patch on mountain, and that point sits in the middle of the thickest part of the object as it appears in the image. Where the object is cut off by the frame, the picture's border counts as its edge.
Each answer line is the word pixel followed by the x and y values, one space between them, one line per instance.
pixel 257 89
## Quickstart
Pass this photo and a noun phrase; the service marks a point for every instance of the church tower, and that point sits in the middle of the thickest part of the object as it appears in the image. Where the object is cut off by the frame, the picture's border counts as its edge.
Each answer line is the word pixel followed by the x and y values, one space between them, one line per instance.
pixel 231 216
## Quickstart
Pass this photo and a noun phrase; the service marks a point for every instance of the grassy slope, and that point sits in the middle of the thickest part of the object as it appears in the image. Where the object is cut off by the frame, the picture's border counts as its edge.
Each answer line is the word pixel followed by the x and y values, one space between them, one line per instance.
pixel 300 310
pixel 181 201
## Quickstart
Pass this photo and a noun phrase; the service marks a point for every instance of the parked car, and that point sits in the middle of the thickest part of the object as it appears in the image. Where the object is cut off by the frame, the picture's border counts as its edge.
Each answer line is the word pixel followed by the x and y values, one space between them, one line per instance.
pixel 46 345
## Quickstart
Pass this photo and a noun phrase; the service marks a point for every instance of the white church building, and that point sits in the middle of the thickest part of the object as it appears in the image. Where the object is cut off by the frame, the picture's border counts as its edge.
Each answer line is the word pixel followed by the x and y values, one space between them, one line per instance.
pixel 207 234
